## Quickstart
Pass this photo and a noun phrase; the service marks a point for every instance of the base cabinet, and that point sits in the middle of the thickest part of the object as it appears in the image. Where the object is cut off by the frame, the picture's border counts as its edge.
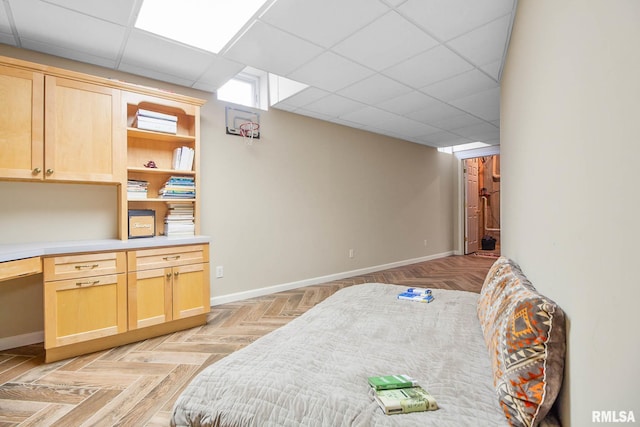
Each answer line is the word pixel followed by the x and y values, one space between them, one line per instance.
pixel 97 301
pixel 167 284
pixel 84 298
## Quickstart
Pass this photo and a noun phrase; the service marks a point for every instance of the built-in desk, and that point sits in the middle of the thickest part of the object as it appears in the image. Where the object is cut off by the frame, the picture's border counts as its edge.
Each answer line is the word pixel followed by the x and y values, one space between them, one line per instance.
pixel 105 293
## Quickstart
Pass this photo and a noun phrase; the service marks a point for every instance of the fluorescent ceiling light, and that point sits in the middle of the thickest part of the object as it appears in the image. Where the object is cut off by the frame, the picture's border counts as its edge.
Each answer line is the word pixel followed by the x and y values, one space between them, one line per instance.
pixel 206 24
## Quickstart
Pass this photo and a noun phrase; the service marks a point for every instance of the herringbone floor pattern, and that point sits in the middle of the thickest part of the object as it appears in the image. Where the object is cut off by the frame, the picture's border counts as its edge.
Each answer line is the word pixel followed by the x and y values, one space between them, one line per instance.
pixel 136 385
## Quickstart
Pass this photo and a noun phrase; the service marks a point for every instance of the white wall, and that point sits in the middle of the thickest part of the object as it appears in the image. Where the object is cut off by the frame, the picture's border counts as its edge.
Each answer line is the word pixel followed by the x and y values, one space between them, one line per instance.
pixel 570 121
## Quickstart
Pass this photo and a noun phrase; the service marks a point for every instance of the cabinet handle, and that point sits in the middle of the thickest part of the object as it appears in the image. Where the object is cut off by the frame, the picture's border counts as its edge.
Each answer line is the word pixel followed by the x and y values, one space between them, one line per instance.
pixel 36 171
pixel 168 275
pixel 176 273
pixel 86 266
pixel 171 258
pixel 49 171
pixel 95 282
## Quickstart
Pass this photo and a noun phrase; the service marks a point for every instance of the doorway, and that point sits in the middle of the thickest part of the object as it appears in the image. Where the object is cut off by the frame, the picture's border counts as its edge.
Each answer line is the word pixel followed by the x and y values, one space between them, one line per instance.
pixel 482 205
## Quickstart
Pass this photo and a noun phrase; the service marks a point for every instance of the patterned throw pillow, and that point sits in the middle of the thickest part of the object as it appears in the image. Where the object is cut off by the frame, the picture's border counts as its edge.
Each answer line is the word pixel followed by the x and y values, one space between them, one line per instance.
pixel 525 334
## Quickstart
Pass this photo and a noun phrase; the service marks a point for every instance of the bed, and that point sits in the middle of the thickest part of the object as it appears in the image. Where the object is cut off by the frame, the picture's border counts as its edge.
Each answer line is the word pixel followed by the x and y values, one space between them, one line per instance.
pixel 322 359
pixel 313 371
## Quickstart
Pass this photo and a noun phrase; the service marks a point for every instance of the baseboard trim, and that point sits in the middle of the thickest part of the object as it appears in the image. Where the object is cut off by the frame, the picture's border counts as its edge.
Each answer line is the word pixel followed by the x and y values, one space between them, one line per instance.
pixel 239 296
pixel 21 340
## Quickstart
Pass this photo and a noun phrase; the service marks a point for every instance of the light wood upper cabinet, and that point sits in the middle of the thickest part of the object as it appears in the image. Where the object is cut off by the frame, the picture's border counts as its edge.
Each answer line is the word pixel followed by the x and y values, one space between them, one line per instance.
pixel 21 123
pixel 59 129
pixel 84 132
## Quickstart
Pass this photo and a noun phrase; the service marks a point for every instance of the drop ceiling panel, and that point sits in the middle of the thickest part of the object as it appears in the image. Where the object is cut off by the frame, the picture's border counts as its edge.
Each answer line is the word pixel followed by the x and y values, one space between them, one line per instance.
pixel 116 11
pixel 479 131
pixel 334 106
pixel 56 50
pixel 485 105
pixel 323 22
pixel 485 44
pixel 148 51
pixel 434 112
pixel 452 18
pixel 407 103
pixel 48 25
pixel 267 48
pixel 461 86
pixel 387 41
pixel 375 89
pixel 445 139
pixel 155 74
pixel 429 67
pixel 304 97
pixel 456 121
pixel 330 72
pixel 218 73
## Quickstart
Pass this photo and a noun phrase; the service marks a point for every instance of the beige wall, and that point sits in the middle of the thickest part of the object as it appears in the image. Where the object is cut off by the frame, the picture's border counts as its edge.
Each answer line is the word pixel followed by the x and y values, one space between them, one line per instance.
pixel 284 210
pixel 570 126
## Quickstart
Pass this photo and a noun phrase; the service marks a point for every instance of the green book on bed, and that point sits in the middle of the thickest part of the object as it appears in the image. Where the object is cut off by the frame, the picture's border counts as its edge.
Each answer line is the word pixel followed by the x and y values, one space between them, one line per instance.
pixel 404 400
pixel 387 382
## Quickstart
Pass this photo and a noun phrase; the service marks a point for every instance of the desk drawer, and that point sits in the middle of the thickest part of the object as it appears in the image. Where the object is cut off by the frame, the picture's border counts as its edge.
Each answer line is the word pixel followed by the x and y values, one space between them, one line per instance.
pixel 78 266
pixel 21 267
pixel 148 259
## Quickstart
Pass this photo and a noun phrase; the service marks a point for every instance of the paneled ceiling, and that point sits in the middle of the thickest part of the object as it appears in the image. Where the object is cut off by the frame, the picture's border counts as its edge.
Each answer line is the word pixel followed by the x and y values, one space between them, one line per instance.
pixel 426 71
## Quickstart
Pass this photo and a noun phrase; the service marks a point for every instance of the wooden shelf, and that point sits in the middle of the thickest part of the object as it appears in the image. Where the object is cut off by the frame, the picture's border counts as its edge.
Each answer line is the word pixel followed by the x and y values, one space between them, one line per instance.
pixel 160 171
pixel 159 136
pixel 162 200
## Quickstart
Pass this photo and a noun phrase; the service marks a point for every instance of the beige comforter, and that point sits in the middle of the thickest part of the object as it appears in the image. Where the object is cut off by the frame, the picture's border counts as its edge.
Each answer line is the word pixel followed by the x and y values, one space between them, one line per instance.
pixel 313 371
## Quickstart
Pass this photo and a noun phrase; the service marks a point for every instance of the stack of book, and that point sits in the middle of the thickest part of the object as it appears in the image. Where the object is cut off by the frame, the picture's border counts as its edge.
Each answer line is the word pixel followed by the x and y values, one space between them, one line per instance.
pixel 179 220
pixel 137 189
pixel 183 158
pixel 398 394
pixel 178 187
pixel 152 120
pixel 417 294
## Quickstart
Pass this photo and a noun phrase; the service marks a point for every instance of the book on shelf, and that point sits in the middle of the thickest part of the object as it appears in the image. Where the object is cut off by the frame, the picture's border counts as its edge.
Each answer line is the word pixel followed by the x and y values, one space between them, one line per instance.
pixel 178 187
pixel 153 120
pixel 179 220
pixel 137 189
pixel 183 158
pixel 387 382
pixel 156 115
pixel 404 400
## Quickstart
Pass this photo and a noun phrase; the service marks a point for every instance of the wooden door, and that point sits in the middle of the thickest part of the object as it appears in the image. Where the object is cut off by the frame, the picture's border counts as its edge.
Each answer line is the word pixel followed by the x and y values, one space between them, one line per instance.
pixel 191 290
pixel 83 309
pixel 473 209
pixel 84 132
pixel 149 294
pixel 21 124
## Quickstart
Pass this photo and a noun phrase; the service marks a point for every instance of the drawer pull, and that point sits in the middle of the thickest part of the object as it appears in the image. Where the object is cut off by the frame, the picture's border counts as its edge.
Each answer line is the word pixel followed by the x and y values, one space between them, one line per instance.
pixel 86 266
pixel 171 258
pixel 95 282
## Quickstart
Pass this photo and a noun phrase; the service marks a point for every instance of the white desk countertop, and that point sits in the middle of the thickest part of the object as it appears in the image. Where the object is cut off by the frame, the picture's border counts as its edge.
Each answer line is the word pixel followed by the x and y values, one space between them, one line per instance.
pixel 12 252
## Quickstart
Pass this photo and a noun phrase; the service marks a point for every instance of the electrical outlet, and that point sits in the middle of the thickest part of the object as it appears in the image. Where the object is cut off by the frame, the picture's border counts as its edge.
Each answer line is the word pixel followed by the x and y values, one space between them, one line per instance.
pixel 219 271
pixel 352 253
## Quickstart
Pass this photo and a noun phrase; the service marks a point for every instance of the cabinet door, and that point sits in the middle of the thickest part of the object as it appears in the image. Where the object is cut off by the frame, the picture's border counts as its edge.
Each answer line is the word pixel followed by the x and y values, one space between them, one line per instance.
pixel 84 132
pixel 149 294
pixel 190 290
pixel 82 309
pixel 21 123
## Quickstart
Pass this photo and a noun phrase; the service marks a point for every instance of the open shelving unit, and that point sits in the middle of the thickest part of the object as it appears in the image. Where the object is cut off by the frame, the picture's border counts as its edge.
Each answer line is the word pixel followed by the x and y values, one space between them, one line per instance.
pixel 146 145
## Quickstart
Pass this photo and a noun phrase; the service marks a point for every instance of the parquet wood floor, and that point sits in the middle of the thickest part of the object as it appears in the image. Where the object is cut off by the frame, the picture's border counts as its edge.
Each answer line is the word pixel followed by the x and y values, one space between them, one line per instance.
pixel 136 384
